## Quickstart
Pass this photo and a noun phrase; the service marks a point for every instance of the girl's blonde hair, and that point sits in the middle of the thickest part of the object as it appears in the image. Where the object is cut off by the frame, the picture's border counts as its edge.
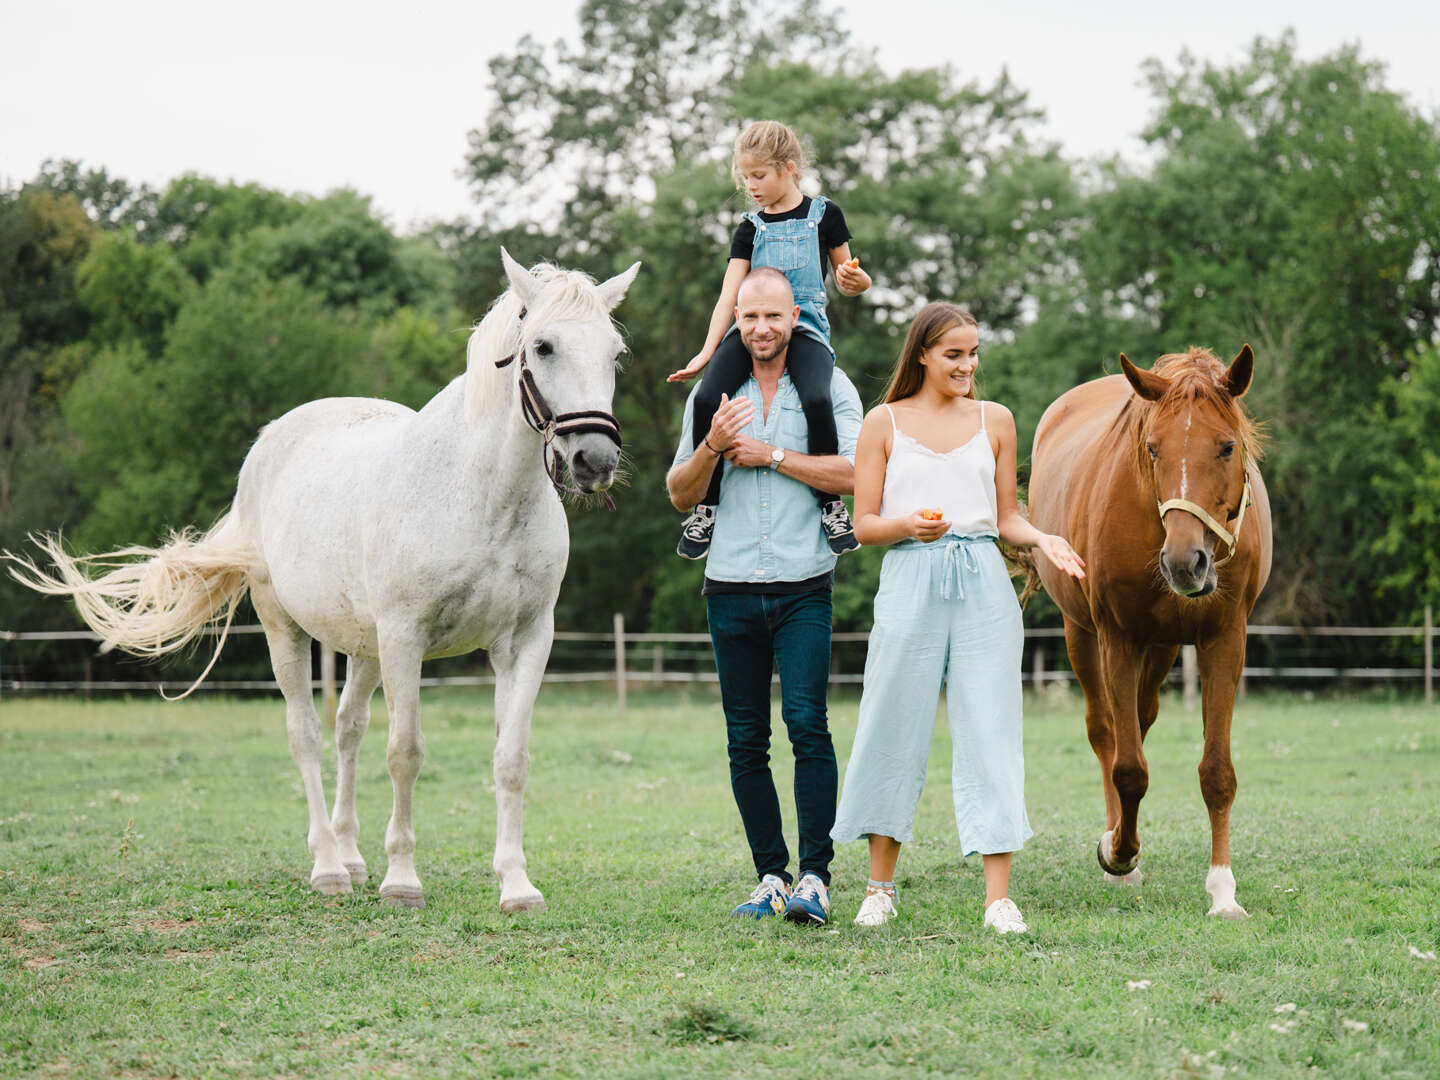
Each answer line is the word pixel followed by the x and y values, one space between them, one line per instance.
pixel 934 322
pixel 770 143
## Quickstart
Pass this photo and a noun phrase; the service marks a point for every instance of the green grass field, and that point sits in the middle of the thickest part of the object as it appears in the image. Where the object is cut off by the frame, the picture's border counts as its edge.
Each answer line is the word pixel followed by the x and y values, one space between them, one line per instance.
pixel 155 917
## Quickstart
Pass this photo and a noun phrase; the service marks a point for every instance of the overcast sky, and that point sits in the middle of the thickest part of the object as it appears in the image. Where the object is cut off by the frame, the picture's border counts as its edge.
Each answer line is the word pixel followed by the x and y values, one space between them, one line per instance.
pixel 305 96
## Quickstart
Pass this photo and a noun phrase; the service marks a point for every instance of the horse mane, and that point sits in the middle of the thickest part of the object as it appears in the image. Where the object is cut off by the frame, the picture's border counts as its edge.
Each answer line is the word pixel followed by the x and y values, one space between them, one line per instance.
pixel 1196 376
pixel 563 295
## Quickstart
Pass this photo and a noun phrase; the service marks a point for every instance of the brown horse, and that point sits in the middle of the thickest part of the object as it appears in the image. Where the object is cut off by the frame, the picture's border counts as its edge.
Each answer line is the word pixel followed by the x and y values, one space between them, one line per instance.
pixel 1148 474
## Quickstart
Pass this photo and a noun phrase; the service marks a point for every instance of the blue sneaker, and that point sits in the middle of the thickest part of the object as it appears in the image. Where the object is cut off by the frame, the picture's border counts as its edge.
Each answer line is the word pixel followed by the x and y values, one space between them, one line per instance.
pixel 810 902
pixel 768 899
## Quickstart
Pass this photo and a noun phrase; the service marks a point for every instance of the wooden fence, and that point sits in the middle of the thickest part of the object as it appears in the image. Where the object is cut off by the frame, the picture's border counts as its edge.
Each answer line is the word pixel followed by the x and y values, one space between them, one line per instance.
pixel 640 659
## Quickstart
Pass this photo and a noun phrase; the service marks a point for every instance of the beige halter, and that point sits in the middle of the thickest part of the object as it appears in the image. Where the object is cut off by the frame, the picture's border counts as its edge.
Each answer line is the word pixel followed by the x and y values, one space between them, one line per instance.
pixel 1210 523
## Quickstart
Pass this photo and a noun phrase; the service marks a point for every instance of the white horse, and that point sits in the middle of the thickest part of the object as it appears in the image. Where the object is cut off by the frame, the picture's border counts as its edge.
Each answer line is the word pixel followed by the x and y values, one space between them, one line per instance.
pixel 394 536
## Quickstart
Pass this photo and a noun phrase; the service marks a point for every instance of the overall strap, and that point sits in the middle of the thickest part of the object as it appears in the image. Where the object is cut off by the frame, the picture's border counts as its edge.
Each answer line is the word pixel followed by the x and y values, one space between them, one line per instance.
pixel 817 209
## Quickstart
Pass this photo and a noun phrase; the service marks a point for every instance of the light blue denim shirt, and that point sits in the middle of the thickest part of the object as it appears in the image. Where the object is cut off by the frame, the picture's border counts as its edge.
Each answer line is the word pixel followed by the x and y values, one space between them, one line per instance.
pixel 767 525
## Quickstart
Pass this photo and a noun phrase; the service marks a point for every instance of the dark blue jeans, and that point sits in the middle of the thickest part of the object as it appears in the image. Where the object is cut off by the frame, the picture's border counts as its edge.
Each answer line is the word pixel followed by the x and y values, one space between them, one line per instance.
pixel 752 635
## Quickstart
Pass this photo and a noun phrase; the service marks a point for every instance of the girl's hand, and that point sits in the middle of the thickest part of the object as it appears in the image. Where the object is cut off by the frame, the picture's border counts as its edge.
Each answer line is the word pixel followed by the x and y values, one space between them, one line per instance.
pixel 690 370
pixel 1061 555
pixel 850 279
pixel 927 529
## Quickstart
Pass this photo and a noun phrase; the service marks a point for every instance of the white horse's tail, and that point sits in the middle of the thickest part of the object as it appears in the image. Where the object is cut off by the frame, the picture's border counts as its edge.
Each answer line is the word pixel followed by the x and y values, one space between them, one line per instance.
pixel 150 601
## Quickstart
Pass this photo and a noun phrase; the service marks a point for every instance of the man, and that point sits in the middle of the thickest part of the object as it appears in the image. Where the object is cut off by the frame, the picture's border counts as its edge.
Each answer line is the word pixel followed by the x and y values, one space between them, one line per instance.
pixel 767 592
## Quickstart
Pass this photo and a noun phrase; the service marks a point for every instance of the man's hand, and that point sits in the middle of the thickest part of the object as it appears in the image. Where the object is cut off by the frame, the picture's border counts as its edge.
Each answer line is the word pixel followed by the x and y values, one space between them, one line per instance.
pixel 748 453
pixel 730 418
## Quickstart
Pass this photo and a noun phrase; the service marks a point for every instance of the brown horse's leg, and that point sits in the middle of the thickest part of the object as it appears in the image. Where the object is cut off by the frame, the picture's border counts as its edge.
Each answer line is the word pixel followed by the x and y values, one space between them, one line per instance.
pixel 1157 665
pixel 1084 653
pixel 1221 662
pixel 1120 662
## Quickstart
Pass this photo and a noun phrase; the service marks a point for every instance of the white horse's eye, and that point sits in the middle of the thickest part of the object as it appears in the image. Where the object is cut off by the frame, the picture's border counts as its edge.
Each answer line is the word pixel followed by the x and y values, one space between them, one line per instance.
pixel 543 348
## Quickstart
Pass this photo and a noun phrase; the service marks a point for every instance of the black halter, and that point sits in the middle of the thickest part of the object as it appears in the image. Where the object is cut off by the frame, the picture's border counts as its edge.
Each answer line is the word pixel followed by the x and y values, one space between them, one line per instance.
pixel 549 425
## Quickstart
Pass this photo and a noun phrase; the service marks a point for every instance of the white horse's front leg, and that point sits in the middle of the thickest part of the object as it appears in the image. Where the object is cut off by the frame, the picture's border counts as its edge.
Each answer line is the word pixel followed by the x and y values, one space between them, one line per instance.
pixel 519 667
pixel 352 719
pixel 404 752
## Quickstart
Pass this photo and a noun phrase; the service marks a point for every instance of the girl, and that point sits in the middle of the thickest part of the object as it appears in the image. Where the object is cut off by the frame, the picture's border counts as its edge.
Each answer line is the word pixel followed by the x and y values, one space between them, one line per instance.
pixel 798 235
pixel 935 476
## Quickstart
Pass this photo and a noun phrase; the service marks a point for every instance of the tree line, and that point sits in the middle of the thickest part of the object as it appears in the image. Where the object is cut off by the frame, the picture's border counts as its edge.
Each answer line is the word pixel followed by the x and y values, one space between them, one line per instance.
pixel 146 335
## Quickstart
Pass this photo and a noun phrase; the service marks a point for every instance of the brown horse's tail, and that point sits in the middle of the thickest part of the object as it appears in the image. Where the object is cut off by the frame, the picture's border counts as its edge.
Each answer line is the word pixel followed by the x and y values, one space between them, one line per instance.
pixel 1021 562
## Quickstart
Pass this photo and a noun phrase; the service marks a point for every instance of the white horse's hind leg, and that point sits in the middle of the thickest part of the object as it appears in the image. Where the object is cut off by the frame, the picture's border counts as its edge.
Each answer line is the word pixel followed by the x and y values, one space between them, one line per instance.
pixel 404 753
pixel 352 718
pixel 290 657
pixel 519 667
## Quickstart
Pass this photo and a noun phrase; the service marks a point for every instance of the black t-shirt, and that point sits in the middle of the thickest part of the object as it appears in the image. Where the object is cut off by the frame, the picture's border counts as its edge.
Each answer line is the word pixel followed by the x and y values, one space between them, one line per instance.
pixel 832 232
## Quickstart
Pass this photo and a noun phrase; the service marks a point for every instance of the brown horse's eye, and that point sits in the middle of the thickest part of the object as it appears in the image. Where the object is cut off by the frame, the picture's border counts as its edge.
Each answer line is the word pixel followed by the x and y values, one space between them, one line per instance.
pixel 1227 449
pixel 1150 446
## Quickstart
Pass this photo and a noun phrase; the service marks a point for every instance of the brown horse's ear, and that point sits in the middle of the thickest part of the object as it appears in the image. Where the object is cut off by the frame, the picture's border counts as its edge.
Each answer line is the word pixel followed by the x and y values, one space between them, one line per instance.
pixel 1237 376
pixel 1147 384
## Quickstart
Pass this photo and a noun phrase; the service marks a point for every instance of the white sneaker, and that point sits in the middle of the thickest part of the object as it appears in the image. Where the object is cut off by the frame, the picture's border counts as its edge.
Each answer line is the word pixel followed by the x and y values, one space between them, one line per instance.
pixel 877 910
pixel 1004 917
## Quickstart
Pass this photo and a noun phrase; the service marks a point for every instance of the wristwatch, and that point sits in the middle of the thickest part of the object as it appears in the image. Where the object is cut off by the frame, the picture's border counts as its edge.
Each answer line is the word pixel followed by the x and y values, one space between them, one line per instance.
pixel 777 455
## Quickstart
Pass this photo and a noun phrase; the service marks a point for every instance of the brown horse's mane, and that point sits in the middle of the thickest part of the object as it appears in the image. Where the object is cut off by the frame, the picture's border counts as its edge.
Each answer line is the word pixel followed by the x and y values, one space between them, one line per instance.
pixel 1196 376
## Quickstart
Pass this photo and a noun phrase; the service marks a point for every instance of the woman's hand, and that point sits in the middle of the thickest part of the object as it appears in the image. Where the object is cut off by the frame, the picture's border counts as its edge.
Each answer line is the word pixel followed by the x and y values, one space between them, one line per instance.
pixel 1061 555
pixel 927 529
pixel 690 370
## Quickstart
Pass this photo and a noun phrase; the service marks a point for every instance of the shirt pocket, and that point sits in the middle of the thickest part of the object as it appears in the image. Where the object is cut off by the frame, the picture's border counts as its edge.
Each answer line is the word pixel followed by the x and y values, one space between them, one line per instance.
pixel 791 428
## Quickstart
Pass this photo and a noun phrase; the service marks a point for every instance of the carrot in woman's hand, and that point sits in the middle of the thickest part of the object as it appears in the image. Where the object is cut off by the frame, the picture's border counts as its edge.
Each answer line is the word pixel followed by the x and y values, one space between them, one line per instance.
pixel 935 514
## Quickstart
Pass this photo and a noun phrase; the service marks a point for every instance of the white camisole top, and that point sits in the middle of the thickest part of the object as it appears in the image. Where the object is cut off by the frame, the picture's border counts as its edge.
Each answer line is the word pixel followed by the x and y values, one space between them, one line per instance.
pixel 960 482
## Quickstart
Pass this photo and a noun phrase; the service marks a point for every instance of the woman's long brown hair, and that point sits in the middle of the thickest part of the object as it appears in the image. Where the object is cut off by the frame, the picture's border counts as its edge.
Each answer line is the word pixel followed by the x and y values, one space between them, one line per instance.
pixel 928 327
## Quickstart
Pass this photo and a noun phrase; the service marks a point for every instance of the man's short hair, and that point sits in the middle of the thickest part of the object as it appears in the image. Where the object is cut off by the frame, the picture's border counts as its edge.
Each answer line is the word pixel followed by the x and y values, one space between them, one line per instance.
pixel 765 273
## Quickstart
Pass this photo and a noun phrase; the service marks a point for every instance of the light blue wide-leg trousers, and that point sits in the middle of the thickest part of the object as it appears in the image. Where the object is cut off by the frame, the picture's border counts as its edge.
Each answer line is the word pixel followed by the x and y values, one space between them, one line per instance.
pixel 945 614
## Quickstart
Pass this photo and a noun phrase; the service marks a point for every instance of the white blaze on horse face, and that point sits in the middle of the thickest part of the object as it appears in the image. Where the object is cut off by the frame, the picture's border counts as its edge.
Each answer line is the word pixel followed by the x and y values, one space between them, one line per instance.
pixel 1185 457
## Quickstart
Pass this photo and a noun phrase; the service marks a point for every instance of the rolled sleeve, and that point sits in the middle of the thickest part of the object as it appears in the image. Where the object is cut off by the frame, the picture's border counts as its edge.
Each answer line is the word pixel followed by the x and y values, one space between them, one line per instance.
pixel 848 413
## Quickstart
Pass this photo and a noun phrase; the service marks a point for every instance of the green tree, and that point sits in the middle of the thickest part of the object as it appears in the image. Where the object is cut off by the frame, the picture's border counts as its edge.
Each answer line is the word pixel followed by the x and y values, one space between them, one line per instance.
pixel 1406 483
pixel 1291 205
pixel 941 186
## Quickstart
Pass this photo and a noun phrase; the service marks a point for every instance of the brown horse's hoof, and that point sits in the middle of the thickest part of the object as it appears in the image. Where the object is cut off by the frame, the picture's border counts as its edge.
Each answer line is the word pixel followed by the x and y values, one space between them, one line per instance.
pixel 402 896
pixel 331 884
pixel 1108 863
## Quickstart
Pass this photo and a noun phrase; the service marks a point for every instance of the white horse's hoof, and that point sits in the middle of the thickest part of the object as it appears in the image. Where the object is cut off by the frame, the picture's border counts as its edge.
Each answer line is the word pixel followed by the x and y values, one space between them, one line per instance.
pixel 1134 877
pixel 517 904
pixel 331 884
pixel 1235 913
pixel 408 896
pixel 358 874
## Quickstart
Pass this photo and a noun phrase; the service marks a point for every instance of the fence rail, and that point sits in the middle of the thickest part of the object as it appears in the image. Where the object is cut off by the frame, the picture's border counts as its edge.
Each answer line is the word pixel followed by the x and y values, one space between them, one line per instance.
pixel 623 673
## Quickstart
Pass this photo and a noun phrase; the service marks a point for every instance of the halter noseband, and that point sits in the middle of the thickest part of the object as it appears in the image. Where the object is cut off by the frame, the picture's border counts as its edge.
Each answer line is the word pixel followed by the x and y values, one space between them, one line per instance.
pixel 544 420
pixel 1229 538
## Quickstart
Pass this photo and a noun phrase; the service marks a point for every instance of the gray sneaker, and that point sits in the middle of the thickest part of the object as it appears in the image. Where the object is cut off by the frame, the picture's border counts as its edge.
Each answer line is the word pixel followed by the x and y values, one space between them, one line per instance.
pixel 696 532
pixel 839 531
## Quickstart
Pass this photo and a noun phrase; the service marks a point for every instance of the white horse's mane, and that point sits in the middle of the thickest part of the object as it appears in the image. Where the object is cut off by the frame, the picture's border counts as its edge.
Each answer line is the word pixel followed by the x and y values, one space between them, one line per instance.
pixel 563 295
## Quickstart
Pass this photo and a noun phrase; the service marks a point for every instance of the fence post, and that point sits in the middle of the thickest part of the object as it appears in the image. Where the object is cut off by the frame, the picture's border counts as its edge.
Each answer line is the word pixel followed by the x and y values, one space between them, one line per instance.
pixel 1189 676
pixel 1037 667
pixel 659 660
pixel 620 660
pixel 327 684
pixel 1429 655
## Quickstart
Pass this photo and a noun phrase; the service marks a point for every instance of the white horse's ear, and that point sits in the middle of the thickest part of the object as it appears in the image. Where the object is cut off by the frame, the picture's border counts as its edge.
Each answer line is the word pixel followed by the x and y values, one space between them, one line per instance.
pixel 521 280
pixel 613 291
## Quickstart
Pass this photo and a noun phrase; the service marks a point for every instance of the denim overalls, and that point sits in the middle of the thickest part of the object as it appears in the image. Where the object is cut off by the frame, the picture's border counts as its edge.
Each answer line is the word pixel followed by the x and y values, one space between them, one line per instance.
pixel 793 247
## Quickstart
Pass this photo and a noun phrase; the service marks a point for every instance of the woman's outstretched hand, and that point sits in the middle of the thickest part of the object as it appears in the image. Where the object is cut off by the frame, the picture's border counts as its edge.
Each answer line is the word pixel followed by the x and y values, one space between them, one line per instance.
pixel 1061 555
